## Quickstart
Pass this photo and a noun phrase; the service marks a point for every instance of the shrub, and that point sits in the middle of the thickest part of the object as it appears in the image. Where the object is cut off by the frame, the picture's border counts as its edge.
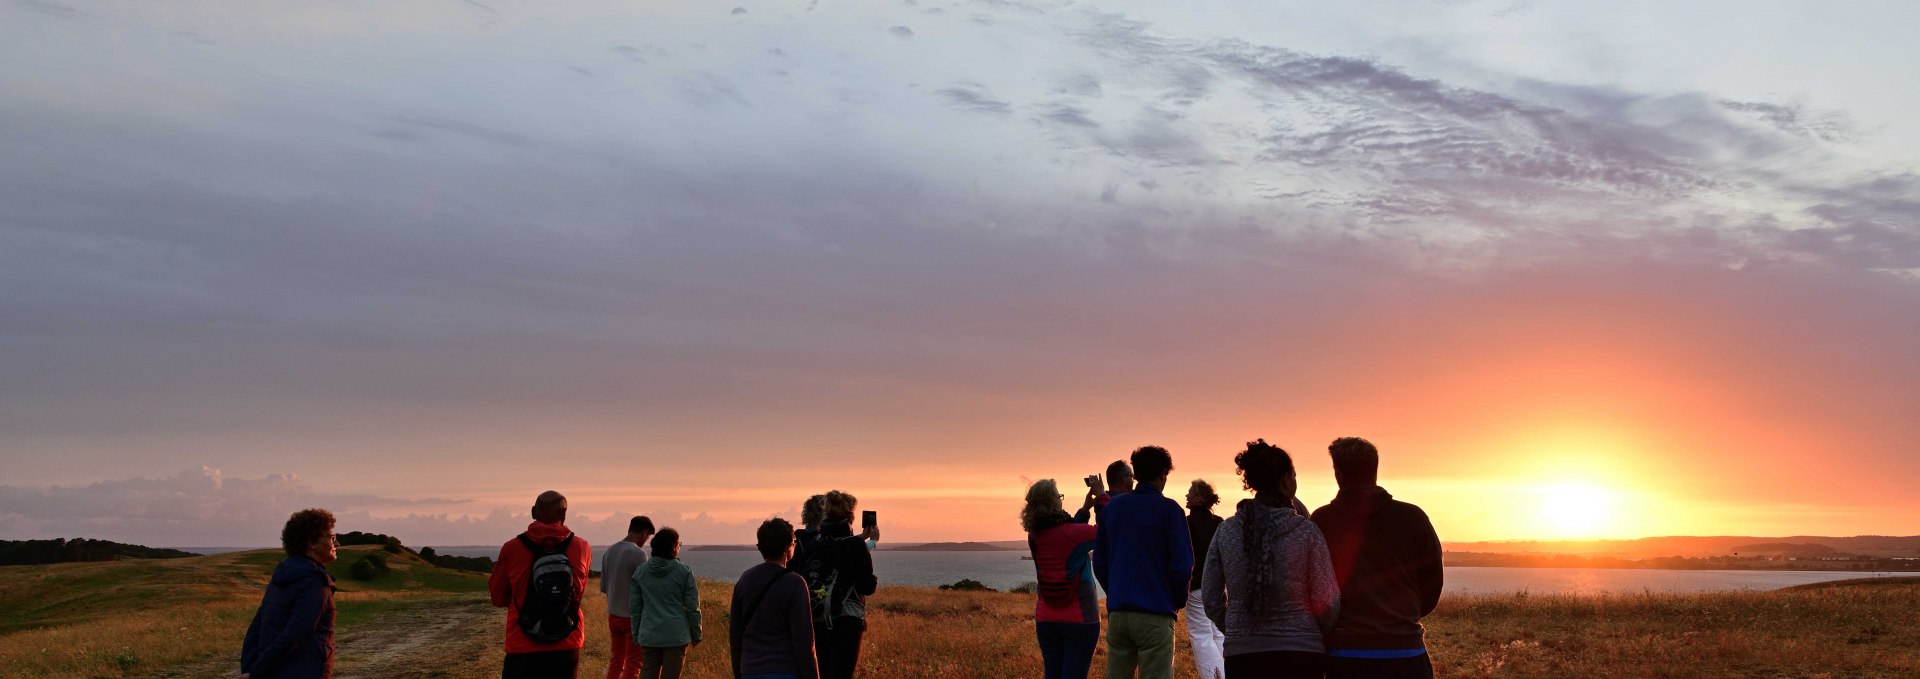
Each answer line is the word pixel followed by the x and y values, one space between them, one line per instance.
pixel 1028 587
pixel 369 567
pixel 968 585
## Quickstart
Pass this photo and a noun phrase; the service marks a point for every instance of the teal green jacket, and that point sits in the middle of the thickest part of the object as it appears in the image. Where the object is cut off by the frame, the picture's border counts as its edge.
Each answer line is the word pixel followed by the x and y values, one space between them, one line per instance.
pixel 665 604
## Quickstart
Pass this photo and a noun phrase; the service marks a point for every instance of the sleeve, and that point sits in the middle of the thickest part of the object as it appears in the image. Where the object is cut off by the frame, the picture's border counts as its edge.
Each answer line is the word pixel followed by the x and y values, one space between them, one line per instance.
pixel 864 581
pixel 1083 516
pixel 1102 554
pixel 736 626
pixel 307 606
pixel 690 604
pixel 1079 557
pixel 636 601
pixel 498 584
pixel 1429 573
pixel 1180 562
pixel 800 621
pixel 1323 593
pixel 580 555
pixel 251 646
pixel 607 568
pixel 1213 586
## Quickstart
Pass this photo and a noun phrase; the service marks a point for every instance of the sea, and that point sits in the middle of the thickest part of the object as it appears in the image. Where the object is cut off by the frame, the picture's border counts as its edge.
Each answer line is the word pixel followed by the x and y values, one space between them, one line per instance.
pixel 1006 570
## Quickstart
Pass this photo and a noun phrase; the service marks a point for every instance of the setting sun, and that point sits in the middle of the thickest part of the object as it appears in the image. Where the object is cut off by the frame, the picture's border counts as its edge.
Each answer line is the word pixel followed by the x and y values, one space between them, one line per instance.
pixel 1577 510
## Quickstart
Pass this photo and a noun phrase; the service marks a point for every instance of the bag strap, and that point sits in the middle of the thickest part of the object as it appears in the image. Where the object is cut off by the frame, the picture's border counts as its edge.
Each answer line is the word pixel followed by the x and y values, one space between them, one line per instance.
pixel 747 619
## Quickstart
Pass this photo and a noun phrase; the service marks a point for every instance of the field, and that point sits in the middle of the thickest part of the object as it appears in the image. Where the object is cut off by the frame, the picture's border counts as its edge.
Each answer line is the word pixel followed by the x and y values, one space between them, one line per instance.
pixel 185 618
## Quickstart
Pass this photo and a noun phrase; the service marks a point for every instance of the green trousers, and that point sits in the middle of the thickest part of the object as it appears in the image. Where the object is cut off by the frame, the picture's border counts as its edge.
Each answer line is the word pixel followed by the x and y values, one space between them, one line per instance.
pixel 1139 640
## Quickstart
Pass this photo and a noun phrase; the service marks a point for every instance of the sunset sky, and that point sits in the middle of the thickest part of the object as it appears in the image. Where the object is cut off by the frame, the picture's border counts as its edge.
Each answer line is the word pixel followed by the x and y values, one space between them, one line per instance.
pixel 1578 269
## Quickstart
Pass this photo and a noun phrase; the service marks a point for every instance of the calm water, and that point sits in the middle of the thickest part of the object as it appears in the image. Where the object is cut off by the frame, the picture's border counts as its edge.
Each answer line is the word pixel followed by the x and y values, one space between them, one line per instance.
pixel 1003 570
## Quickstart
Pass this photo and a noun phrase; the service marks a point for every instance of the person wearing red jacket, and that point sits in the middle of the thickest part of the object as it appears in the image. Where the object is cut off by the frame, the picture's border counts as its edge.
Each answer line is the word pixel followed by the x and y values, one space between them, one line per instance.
pixel 526 657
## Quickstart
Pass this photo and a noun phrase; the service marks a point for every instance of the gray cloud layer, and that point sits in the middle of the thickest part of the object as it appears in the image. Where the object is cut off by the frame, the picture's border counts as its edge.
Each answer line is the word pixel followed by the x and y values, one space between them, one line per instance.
pixel 781 230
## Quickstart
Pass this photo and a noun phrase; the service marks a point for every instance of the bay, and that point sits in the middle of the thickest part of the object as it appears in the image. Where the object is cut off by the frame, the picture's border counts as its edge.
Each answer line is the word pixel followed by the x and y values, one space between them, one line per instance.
pixel 1005 570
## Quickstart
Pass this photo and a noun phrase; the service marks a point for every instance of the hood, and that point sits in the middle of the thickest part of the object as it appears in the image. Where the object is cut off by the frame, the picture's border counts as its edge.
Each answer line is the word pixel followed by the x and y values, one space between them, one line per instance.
pixel 294 569
pixel 836 529
pixel 1278 520
pixel 547 534
pixel 1363 502
pixel 660 567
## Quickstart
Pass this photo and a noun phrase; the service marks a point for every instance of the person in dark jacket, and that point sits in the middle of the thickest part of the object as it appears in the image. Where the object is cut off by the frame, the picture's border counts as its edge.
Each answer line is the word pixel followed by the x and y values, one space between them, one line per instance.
pixel 836 638
pixel 1143 557
pixel 770 625
pixel 1207 640
pixel 1386 557
pixel 1067 613
pixel 291 636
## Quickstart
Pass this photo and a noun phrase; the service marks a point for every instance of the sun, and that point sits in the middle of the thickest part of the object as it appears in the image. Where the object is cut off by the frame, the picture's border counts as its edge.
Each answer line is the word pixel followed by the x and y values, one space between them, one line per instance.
pixel 1577 510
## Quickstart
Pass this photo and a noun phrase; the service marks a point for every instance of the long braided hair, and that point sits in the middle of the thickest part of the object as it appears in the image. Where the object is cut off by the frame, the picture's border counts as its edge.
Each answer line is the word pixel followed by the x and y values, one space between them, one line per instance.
pixel 1263 469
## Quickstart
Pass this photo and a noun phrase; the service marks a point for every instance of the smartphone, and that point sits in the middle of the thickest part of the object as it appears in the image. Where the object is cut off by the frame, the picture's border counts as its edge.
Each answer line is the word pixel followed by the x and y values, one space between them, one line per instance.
pixel 1091 478
pixel 869 519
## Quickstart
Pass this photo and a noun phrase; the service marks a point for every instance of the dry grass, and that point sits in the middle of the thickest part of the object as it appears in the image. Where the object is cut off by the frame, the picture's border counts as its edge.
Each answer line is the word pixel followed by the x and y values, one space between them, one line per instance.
pixel 167 627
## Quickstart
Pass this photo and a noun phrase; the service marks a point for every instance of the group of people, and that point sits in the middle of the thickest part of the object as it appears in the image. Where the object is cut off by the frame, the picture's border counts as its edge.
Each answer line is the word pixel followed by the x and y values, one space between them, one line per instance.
pixel 800 614
pixel 1273 591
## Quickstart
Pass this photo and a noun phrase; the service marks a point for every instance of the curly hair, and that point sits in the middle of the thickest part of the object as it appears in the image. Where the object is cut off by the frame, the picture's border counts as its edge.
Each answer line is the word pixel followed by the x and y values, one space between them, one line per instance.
pixel 1043 501
pixel 839 505
pixel 1206 491
pixel 1263 466
pixel 813 511
pixel 304 528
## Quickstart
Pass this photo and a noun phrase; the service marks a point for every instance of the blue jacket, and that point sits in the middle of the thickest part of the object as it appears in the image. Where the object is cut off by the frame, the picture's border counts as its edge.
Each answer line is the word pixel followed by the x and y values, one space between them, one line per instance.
pixel 1142 554
pixel 291 636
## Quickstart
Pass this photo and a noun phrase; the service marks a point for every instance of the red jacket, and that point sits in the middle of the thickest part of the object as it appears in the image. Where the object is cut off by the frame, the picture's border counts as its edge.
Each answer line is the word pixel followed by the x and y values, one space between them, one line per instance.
pixel 508 583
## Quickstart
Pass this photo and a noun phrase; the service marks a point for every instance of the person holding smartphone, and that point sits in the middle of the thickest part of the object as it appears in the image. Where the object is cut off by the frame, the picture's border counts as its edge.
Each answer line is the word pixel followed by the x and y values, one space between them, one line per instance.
pixel 839 573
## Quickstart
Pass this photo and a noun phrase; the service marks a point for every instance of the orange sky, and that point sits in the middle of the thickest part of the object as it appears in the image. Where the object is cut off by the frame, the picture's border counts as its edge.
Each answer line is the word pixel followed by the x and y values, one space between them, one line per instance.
pixel 700 265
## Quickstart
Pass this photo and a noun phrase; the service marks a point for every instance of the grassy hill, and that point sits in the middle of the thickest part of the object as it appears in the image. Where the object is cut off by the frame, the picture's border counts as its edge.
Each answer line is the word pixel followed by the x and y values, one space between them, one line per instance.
pixel 186 617
pixel 120 618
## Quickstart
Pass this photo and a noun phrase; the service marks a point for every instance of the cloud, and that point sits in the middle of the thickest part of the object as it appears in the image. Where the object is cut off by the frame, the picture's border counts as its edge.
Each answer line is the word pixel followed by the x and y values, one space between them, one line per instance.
pixel 873 260
pixel 972 97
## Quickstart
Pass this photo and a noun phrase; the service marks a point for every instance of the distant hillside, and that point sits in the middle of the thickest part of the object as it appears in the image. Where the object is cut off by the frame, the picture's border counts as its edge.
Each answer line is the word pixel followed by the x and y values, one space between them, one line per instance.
pixel 1688 546
pixel 1785 548
pixel 58 550
pixel 952 547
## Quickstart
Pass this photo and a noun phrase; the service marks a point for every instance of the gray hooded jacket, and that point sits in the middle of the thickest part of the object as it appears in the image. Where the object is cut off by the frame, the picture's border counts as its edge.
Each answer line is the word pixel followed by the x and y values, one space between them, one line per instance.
pixel 1276 595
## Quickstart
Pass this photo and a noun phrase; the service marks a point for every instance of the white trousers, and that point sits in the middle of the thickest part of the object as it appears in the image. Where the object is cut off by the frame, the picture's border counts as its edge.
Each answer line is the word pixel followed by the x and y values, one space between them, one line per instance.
pixel 1207 639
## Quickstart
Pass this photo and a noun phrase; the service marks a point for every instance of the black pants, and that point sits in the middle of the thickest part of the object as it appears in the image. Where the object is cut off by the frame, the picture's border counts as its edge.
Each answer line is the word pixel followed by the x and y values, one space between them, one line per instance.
pixel 838 648
pixel 1277 665
pixel 1417 667
pixel 542 665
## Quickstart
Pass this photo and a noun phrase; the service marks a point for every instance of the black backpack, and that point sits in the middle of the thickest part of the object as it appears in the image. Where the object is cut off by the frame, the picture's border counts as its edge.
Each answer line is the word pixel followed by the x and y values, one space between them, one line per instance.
pixel 819 564
pixel 551 611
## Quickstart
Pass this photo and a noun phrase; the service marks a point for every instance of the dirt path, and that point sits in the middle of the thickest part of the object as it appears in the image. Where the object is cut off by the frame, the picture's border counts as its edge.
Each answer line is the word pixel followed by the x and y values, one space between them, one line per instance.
pixel 438 637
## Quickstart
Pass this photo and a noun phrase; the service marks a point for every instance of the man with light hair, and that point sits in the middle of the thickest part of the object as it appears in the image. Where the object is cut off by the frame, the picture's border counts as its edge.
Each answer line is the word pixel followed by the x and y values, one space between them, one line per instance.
pixel 1386 559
